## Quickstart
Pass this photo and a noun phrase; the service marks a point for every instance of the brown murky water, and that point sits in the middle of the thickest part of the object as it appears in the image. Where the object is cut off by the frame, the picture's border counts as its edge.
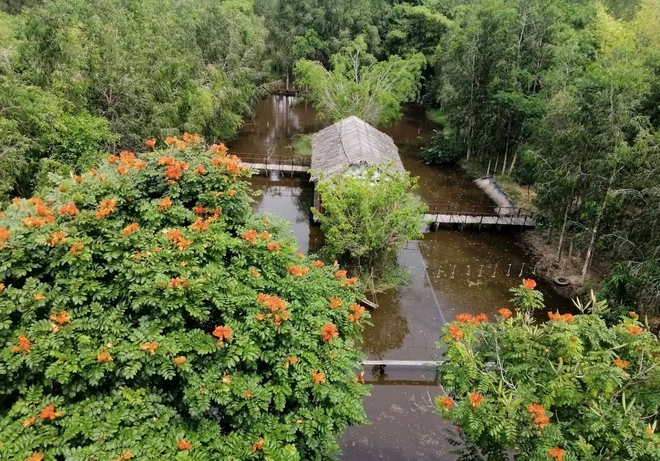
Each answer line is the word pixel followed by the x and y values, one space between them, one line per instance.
pixel 451 272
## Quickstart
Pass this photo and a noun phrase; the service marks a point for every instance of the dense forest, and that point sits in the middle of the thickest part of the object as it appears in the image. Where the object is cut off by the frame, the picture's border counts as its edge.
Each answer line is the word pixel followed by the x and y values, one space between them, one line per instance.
pixel 562 95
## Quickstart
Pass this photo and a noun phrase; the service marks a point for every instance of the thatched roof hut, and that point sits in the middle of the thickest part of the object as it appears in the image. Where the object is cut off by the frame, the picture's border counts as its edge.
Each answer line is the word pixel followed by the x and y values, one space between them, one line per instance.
pixel 351 144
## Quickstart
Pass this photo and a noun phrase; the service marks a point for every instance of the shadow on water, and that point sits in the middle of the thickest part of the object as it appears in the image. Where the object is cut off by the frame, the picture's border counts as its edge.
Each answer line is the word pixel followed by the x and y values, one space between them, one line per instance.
pixel 451 272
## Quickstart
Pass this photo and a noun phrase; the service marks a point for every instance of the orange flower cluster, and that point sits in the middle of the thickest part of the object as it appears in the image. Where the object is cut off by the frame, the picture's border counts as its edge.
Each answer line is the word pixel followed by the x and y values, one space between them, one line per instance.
pixel 634 329
pixel 557 453
pixel 455 332
pixel 4 236
pixel 349 282
pixel 171 140
pixel 537 412
pixel 529 284
pixel 328 332
pixel 272 302
pixel 61 319
pixel 37 222
pixel 340 274
pixel 621 363
pixel 335 302
pixel 445 402
pixel 149 347
pixel 176 238
pixel 201 169
pixel 471 319
pixel 107 206
pixel 56 237
pixel 291 361
pixel 298 271
pixel 69 209
pixel 557 317
pixel 24 345
pixel 318 264
pixel 179 282
pixel 165 204
pixel 232 164
pixel 318 377
pixel 248 393
pixel 505 313
pixel 127 160
pixel 75 248
pixel 49 413
pixel 182 445
pixel 29 422
pixel 200 225
pixel 192 138
pixel 231 192
pixel 219 149
pixel 180 360
pixel 104 357
pixel 39 297
pixel 151 143
pixel 40 207
pixel 2 287
pixel 274 246
pixel 130 229
pixel 35 457
pixel 222 332
pixel 476 399
pixel 125 456
pixel 254 272
pixel 250 236
pixel 199 209
pixel 258 445
pixel 356 314
pixel 633 315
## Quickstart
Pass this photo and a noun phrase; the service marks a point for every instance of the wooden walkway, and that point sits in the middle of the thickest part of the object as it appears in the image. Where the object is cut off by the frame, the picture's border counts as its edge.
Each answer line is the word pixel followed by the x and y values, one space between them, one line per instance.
pixel 284 168
pixel 482 220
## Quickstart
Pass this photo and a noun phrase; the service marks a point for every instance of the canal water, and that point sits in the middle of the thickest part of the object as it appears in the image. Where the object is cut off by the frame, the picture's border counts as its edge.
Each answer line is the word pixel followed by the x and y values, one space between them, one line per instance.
pixel 451 272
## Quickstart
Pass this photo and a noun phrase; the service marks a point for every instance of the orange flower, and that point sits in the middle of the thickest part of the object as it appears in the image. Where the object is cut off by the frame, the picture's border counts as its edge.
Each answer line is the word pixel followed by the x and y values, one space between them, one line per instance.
pixel 180 145
pixel 170 140
pixel 335 302
pixel 249 236
pixel 445 402
pixel 151 142
pixel 173 172
pixel 529 284
pixel 260 317
pixel 621 363
pixel 165 160
pixel 300 255
pixel 633 315
pixel 298 271
pixel 140 164
pixel 2 287
pixel 201 169
pixel 634 329
pixel 76 248
pixel 104 357
pixel 649 430
pixel 259 445
pixel 292 360
pixel 537 412
pixel 349 282
pixel 165 204
pixel 4 234
pixel 340 274
pixel 182 445
pixel 113 159
pixel 455 332
pixel 357 312
pixel 199 225
pixel 219 149
pixel 476 399
pixel 199 209
pixel 248 393
pixel 179 282
pixel 557 453
pixel 274 246
pixel 176 237
pixel 24 344
pixel 481 318
pixel 61 319
pixel 131 228
pixel 557 317
pixel 265 235
pixel 222 332
pixel 254 272
pixel 122 169
pixel 272 302
pixel 39 297
pixel 107 206
pixel 29 422
pixel 180 360
pixel 318 377
pixel 505 313
pixel 35 457
pixel 149 347
pixel 125 456
pixel 56 237
pixel 49 413
pixel 231 192
pixel 328 332
pixel 318 264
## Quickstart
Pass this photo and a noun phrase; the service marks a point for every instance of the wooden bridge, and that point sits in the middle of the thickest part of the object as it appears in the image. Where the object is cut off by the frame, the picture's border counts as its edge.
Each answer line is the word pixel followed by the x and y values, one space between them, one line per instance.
pixel 478 216
pixel 279 163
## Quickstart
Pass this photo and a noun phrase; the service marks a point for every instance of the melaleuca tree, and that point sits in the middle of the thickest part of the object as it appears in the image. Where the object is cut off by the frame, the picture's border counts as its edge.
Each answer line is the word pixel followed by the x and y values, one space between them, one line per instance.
pixel 147 313
pixel 569 389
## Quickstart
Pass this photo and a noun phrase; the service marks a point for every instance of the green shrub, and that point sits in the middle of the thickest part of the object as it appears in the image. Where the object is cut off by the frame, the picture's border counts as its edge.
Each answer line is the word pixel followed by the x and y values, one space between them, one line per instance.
pixel 443 149
pixel 569 389
pixel 146 312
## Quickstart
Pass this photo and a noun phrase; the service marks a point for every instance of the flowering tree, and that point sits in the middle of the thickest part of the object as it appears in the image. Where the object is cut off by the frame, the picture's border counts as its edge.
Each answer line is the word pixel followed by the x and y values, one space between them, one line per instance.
pixel 147 313
pixel 572 388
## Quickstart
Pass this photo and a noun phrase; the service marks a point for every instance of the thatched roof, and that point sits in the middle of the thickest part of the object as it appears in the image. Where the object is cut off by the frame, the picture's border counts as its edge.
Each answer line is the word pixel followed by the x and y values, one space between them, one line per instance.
pixel 351 142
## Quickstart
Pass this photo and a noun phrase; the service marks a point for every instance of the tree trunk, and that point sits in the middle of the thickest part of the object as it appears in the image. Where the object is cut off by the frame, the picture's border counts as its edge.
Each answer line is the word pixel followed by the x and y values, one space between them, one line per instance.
pixel 490 159
pixel 513 162
pixel 594 231
pixel 570 249
pixel 506 149
pixel 563 231
pixel 287 79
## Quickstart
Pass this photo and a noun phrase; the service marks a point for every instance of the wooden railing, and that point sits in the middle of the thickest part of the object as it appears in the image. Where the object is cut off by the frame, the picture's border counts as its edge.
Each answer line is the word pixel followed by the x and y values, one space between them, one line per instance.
pixel 277 159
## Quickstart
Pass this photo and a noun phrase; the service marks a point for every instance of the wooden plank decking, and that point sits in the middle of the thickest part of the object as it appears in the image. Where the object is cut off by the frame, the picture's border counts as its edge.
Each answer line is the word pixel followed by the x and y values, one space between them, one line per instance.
pixel 482 220
pixel 401 363
pixel 285 168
